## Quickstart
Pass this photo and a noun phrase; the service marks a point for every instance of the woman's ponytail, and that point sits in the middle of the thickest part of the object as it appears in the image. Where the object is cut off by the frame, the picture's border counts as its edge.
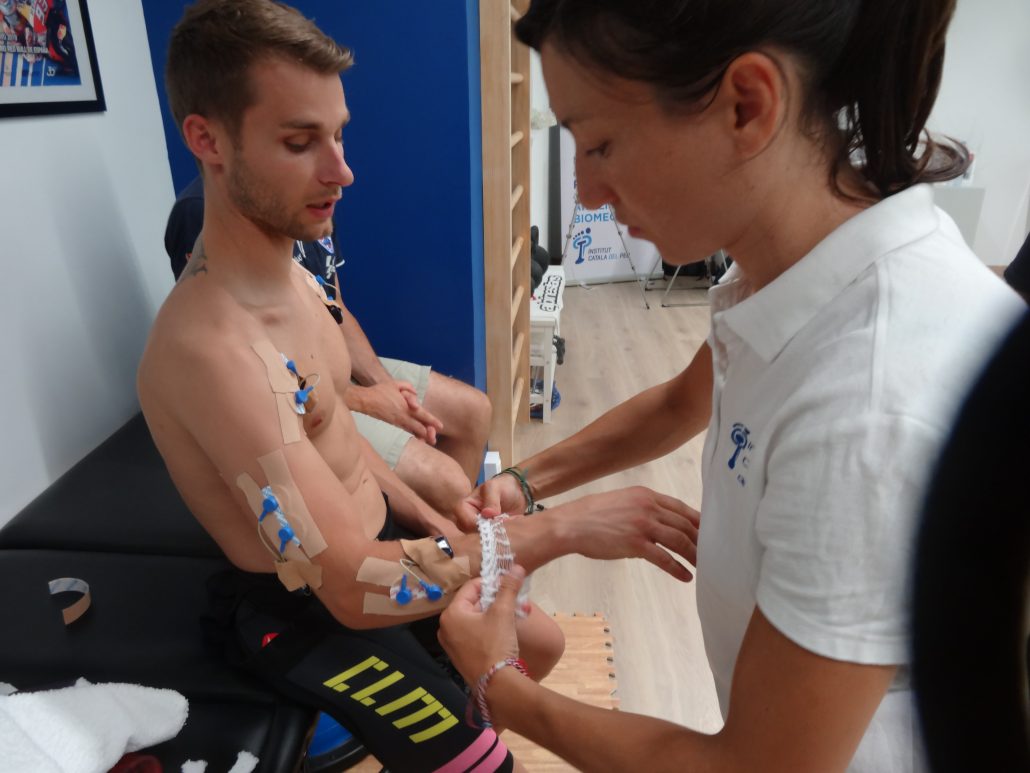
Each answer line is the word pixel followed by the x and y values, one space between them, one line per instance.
pixel 885 84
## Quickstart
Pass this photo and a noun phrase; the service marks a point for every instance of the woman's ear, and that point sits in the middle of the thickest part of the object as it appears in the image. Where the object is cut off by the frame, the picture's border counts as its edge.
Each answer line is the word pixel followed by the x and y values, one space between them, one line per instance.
pixel 204 138
pixel 753 90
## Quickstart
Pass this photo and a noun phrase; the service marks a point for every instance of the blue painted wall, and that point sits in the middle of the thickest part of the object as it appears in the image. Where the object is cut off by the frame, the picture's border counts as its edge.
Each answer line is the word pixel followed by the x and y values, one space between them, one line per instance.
pixel 410 227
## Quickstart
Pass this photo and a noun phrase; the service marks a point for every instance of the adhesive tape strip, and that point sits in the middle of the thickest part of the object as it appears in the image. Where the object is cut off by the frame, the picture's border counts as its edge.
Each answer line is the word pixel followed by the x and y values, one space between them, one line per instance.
pixel 284 385
pixel 74 611
pixel 378 604
pixel 279 378
pixel 323 295
pixel 289 419
pixel 379 571
pixel 278 472
pixel 297 574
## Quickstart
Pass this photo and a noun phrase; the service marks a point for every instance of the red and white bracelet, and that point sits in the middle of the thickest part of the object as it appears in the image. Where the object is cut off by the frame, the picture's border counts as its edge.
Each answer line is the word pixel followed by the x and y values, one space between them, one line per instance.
pixel 478 697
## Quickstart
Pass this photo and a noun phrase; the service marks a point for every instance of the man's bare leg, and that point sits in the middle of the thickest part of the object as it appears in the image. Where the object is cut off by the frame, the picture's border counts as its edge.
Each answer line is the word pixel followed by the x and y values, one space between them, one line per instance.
pixel 541 642
pixel 465 413
pixel 433 475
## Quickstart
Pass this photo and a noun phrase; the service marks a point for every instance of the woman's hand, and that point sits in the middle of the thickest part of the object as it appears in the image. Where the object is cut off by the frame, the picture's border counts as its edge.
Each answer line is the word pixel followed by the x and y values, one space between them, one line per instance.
pixel 500 494
pixel 476 640
pixel 633 522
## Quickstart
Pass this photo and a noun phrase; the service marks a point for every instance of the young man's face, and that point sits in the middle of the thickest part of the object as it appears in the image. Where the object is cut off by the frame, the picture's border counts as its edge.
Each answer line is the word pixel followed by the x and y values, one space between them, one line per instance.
pixel 286 170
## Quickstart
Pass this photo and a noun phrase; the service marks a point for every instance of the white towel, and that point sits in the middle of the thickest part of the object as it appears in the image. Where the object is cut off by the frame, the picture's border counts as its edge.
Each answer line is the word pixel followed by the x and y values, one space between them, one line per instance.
pixel 245 763
pixel 86 728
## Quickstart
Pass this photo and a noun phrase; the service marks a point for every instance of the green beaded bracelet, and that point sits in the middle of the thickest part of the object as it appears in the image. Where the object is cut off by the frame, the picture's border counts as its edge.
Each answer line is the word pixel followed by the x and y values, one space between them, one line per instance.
pixel 527 493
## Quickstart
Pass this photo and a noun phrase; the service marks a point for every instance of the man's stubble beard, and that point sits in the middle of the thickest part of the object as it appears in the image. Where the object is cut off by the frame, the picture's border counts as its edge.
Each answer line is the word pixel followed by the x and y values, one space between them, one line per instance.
pixel 262 207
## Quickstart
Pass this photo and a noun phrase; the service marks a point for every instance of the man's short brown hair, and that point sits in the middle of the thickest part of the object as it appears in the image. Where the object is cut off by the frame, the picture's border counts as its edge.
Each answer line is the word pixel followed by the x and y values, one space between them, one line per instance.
pixel 216 42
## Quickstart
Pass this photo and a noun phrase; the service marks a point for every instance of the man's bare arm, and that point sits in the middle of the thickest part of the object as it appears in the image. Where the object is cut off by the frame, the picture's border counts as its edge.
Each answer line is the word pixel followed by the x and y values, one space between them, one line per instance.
pixel 376 392
pixel 365 365
pixel 412 512
pixel 223 399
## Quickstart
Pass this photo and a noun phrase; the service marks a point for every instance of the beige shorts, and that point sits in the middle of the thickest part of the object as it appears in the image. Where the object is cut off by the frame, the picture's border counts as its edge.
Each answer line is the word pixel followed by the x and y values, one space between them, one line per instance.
pixel 386 439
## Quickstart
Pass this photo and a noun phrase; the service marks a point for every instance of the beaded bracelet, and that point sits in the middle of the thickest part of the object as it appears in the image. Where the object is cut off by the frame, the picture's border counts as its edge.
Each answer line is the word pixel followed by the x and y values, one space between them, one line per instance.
pixel 527 493
pixel 478 698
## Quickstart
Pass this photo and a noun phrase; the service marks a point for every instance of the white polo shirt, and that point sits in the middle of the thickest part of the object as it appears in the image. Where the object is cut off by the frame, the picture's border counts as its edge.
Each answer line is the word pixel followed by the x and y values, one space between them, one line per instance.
pixel 835 387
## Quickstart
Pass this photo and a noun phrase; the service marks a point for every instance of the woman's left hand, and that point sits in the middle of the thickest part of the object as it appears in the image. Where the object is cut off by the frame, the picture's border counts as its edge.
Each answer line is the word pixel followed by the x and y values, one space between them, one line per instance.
pixel 476 640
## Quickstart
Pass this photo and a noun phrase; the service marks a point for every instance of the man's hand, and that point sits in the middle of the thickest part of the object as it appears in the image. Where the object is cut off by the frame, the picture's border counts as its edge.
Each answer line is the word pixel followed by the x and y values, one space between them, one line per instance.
pixel 475 640
pixel 501 494
pixel 395 402
pixel 633 523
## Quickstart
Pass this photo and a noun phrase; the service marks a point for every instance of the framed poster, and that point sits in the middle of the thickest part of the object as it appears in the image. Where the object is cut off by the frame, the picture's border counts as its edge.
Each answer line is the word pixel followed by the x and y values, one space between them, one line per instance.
pixel 48 63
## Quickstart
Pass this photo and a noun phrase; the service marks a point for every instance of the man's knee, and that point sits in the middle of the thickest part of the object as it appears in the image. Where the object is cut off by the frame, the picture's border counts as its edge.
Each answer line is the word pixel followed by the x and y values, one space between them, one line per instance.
pixel 452 482
pixel 541 642
pixel 464 409
pixel 478 412
pixel 433 475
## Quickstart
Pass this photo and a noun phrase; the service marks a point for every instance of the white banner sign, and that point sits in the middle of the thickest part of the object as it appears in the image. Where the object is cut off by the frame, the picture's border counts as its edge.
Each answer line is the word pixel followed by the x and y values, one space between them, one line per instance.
pixel 593 250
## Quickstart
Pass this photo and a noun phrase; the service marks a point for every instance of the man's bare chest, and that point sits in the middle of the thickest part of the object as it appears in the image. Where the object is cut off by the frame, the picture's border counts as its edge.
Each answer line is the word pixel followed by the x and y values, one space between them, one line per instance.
pixel 308 345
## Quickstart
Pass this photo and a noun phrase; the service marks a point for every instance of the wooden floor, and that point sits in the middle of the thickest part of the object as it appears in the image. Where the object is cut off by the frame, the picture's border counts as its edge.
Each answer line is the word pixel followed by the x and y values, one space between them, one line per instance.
pixel 615 347
pixel 586 673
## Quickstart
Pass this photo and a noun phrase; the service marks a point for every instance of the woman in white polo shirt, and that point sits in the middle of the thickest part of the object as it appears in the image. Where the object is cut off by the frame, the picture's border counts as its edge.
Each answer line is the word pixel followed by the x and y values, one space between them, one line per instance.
pixel 790 133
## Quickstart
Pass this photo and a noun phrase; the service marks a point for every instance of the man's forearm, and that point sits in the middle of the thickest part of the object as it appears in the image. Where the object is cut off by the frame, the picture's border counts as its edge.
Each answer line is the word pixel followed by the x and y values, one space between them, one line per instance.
pixel 535 541
pixel 411 511
pixel 365 366
pixel 645 427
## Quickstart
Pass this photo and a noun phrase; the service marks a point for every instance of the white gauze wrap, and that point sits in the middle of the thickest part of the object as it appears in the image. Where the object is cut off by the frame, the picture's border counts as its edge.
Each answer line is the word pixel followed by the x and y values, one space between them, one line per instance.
pixel 497 560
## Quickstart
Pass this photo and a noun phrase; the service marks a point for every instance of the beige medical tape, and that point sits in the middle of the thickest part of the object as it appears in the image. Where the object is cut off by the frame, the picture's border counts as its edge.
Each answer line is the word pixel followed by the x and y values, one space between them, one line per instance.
pixel 284 386
pixel 320 290
pixel 297 574
pixel 294 569
pixel 279 478
pixel 379 571
pixel 386 574
pixel 379 604
pixel 449 573
pixel 72 612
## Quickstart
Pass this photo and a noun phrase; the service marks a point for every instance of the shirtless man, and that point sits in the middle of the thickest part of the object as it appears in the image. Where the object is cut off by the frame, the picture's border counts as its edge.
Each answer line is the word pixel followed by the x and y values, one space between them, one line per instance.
pixel 429 428
pixel 242 386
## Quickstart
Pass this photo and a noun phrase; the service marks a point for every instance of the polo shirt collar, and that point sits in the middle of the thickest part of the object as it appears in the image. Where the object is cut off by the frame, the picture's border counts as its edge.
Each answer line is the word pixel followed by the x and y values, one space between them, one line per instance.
pixel 771 317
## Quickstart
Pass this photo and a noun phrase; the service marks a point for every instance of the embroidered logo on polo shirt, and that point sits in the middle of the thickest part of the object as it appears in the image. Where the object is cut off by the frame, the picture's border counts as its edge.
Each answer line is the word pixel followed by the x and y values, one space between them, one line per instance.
pixel 740 436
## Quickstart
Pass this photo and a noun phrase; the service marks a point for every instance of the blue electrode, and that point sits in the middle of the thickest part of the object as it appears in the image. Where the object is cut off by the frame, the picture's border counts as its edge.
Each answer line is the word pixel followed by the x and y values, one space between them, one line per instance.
pixel 433 591
pixel 286 536
pixel 268 505
pixel 403 594
pixel 328 289
pixel 301 395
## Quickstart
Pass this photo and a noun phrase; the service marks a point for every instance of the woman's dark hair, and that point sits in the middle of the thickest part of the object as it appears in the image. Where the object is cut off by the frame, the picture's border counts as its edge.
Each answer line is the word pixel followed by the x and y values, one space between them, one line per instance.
pixel 872 68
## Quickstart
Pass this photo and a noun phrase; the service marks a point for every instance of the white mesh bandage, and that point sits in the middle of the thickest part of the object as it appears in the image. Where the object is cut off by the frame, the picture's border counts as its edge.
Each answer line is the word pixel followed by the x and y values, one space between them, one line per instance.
pixel 497 560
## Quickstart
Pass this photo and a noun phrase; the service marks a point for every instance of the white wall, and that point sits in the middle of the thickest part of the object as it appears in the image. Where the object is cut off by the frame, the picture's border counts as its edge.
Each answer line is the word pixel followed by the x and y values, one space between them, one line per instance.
pixel 539 154
pixel 985 101
pixel 81 223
